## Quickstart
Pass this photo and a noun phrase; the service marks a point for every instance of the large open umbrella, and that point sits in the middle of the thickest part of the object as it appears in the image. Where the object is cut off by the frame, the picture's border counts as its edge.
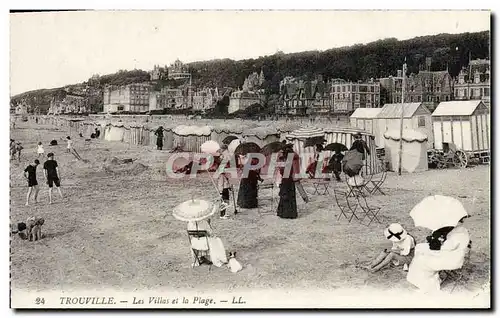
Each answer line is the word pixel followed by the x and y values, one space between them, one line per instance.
pixel 313 141
pixel 194 210
pixel 336 146
pixel 246 148
pixel 438 211
pixel 273 147
pixel 229 139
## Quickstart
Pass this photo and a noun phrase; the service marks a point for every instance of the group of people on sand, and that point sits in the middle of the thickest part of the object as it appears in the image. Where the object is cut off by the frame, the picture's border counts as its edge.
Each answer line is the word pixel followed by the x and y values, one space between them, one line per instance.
pixel 248 189
pixel 51 174
pixel 444 249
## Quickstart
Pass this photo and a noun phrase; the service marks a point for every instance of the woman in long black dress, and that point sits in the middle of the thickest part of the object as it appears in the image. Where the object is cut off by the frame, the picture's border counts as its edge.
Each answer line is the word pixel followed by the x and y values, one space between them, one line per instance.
pixel 287 207
pixel 159 138
pixel 248 192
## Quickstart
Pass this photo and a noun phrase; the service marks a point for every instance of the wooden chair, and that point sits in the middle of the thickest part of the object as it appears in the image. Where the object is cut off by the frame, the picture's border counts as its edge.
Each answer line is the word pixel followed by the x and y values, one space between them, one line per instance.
pixel 274 201
pixel 458 275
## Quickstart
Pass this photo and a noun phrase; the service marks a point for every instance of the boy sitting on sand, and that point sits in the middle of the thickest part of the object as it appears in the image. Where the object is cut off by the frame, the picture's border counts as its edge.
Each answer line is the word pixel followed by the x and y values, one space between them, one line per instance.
pixel 402 251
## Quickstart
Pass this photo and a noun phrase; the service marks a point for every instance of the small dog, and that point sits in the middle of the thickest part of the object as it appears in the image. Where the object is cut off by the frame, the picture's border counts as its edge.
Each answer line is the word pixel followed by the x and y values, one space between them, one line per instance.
pixel 34 228
pixel 233 265
pixel 19 228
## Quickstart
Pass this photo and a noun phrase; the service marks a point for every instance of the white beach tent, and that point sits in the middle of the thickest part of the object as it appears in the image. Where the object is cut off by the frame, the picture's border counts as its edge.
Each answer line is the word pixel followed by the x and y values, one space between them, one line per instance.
pixel 414 157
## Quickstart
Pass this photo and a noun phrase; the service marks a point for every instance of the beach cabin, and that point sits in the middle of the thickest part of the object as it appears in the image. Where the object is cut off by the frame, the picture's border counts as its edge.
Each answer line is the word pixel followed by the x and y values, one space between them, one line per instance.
pixel 366 119
pixel 465 124
pixel 414 158
pixel 415 117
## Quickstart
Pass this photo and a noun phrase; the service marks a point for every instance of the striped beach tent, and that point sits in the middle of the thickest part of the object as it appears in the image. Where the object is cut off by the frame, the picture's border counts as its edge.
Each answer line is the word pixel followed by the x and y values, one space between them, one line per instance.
pixel 298 138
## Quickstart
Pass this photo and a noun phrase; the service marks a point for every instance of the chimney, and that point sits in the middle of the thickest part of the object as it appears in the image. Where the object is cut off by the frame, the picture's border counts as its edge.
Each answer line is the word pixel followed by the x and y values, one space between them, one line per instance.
pixel 428 63
pixel 400 73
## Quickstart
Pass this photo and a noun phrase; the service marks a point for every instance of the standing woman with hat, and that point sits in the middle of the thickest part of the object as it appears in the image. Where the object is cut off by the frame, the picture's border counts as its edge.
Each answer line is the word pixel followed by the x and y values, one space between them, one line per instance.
pixel 159 138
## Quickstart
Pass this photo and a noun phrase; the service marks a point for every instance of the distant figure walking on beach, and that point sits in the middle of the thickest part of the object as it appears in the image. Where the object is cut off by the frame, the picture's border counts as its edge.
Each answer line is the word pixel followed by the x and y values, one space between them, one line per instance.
pixel 159 138
pixel 18 150
pixel 30 175
pixel 70 144
pixel 51 173
pixel 97 133
pixel 40 149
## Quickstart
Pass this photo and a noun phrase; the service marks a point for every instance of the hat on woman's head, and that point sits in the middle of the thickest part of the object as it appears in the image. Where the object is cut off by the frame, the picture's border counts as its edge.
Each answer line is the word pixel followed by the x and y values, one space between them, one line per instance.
pixel 395 232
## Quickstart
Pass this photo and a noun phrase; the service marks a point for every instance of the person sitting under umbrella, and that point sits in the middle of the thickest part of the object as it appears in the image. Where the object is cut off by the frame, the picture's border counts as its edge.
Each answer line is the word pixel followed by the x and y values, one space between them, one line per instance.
pixel 217 251
pixel 445 248
pixel 196 213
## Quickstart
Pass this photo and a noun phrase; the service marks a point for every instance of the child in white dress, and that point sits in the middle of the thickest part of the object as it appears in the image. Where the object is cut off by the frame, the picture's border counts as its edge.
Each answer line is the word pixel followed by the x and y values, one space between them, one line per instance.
pixel 70 144
pixel 402 251
pixel 40 149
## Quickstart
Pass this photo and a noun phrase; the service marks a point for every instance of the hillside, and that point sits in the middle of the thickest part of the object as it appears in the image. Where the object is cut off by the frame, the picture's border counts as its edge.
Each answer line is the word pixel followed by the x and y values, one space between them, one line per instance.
pixel 358 62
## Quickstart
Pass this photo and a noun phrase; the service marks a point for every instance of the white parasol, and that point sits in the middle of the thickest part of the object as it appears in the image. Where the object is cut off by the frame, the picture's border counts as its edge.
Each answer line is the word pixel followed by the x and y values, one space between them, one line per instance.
pixel 438 211
pixel 232 145
pixel 210 147
pixel 195 210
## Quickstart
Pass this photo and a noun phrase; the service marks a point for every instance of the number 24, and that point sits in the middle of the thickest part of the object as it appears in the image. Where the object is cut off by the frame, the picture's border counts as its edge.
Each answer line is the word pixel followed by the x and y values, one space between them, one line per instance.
pixel 40 301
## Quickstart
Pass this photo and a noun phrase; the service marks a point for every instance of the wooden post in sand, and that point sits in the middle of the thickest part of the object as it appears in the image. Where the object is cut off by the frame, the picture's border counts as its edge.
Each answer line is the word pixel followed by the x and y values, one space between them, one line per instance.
pixel 402 118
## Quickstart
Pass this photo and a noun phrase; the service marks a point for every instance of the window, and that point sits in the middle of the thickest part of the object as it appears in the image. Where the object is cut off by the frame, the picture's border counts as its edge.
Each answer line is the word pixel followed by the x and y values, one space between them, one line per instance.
pixel 343 88
pixel 437 99
pixel 419 98
pixel 411 99
pixel 357 97
pixel 456 91
pixel 486 91
pixel 421 121
pixel 429 98
pixel 447 98
pixel 120 108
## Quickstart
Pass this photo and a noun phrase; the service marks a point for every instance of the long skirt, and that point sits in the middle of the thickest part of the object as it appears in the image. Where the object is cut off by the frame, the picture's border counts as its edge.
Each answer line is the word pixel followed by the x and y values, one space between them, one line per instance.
pixel 287 207
pixel 159 142
pixel 247 194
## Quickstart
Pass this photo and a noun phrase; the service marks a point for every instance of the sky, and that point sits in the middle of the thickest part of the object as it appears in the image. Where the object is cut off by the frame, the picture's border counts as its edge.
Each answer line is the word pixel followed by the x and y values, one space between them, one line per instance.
pixel 54 49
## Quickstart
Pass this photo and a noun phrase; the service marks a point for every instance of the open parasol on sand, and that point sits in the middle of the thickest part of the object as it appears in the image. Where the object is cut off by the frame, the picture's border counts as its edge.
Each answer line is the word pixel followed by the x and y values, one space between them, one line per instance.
pixel 194 210
pixel 438 211
pixel 229 139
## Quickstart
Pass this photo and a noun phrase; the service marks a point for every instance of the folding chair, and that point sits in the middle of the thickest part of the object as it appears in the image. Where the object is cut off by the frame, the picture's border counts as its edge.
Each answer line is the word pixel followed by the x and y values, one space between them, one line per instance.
pixel 458 275
pixel 274 201
pixel 202 253
pixel 347 208
pixel 321 184
pixel 377 183
pixel 357 189
pixel 369 211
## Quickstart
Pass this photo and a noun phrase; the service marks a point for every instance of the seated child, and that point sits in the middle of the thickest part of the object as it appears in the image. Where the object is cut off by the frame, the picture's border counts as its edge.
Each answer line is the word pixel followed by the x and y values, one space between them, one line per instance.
pixel 402 251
